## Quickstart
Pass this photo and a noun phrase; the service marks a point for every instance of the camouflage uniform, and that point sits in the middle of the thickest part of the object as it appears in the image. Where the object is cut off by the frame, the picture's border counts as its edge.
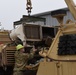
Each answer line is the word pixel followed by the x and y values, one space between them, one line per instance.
pixel 21 60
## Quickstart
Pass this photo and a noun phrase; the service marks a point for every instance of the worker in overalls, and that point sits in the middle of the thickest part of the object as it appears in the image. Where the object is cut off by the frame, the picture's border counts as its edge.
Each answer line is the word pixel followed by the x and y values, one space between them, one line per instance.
pixel 21 59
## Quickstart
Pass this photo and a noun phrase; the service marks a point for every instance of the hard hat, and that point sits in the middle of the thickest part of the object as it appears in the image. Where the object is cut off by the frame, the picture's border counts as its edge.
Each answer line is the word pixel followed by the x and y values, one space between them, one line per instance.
pixel 19 46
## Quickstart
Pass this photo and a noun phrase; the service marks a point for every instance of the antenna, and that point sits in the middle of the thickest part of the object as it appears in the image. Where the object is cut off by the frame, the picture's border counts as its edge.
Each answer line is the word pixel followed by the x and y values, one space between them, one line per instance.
pixel 0 25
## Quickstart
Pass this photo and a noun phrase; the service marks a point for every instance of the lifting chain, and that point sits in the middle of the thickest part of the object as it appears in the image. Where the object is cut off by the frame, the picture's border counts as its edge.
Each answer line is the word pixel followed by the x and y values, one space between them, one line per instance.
pixel 29 7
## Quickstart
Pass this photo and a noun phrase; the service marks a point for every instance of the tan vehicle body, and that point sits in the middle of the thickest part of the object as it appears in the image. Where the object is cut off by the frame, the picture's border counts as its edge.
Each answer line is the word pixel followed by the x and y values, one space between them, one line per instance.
pixel 60 64
pixel 53 64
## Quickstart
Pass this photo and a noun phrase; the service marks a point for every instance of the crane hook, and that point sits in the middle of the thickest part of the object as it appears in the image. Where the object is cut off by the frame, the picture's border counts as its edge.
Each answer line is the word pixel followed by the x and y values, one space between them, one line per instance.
pixel 29 7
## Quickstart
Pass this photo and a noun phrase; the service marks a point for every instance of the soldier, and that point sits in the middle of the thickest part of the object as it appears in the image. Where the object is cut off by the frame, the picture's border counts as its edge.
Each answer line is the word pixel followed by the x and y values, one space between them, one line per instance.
pixel 21 59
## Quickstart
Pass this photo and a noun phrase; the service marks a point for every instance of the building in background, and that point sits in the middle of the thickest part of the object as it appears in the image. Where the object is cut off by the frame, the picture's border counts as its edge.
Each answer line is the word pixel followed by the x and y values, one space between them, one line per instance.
pixel 53 21
pixel 44 18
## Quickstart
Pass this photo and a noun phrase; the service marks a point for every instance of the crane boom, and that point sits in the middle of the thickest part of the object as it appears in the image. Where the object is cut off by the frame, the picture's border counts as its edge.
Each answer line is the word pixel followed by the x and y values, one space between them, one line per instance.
pixel 72 7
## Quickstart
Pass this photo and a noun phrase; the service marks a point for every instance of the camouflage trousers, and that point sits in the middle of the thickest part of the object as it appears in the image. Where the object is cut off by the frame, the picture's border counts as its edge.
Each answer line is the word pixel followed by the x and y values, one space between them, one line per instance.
pixel 17 73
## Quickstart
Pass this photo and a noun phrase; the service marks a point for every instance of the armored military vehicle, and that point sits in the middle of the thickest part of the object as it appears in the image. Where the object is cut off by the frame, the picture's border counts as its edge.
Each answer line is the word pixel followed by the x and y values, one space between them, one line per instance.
pixel 27 33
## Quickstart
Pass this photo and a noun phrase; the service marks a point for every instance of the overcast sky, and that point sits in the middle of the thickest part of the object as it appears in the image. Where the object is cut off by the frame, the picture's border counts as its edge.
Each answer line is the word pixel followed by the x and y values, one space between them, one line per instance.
pixel 12 10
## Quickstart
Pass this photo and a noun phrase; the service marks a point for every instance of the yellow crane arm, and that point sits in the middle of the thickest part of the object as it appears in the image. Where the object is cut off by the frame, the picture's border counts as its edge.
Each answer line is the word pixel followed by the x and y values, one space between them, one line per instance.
pixel 72 7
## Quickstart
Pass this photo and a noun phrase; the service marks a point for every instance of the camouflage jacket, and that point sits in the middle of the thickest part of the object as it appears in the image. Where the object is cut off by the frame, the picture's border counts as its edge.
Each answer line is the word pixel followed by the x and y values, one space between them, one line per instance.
pixel 21 60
